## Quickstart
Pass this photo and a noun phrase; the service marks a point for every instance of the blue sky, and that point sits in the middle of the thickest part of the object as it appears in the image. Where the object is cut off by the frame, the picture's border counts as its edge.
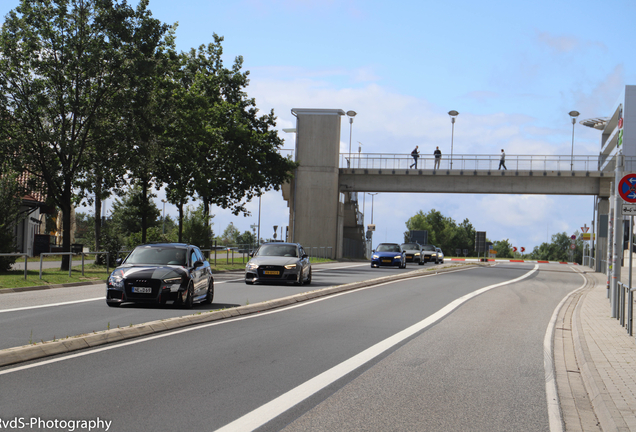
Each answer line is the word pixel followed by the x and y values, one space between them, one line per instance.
pixel 513 71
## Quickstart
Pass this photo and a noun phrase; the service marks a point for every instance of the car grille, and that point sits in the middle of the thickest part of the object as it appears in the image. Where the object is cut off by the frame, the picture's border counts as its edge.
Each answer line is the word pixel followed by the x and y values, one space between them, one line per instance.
pixel 264 272
pixel 152 283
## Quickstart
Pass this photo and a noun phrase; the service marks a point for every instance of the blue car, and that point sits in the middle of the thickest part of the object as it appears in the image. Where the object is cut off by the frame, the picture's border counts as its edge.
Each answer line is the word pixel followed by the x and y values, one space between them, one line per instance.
pixel 388 254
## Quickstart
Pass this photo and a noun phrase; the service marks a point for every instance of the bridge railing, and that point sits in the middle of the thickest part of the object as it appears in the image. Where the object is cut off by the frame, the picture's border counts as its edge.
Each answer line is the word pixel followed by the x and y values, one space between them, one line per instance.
pixel 481 162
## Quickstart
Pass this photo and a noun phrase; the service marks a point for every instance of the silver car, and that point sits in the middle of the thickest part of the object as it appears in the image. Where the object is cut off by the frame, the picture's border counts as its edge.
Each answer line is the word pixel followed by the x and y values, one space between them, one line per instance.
pixel 439 256
pixel 279 263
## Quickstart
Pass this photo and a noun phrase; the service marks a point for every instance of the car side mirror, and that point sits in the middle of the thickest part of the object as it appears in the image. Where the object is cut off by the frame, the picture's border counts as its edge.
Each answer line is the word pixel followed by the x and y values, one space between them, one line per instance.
pixel 198 263
pixel 251 254
pixel 305 256
pixel 118 261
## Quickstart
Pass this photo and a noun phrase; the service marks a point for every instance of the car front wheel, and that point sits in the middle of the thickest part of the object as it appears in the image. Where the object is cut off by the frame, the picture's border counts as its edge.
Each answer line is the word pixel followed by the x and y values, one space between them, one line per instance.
pixel 185 298
pixel 210 295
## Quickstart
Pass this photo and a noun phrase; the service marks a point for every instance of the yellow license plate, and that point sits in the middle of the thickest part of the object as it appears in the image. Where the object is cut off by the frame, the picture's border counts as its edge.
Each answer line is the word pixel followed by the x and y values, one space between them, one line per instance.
pixel 386 261
pixel 271 272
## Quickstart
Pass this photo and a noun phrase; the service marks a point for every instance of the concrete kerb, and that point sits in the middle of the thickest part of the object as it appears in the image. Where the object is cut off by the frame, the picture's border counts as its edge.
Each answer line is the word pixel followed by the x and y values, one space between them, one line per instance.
pixel 35 351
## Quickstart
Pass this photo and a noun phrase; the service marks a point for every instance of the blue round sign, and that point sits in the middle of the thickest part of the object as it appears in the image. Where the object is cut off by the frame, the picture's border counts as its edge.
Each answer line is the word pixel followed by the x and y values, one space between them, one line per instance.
pixel 627 188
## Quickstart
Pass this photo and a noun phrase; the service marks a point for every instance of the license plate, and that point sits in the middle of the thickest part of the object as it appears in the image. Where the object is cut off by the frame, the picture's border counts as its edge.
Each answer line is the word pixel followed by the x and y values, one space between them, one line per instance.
pixel 142 290
pixel 386 261
pixel 271 272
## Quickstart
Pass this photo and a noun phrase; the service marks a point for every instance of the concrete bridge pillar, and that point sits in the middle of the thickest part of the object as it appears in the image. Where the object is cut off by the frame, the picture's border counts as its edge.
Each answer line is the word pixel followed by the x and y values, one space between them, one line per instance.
pixel 316 208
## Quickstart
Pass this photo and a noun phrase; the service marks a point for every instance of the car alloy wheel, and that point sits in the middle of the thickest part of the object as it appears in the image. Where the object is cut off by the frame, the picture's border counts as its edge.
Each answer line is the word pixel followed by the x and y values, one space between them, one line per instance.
pixel 185 299
pixel 210 295
pixel 308 281
pixel 300 281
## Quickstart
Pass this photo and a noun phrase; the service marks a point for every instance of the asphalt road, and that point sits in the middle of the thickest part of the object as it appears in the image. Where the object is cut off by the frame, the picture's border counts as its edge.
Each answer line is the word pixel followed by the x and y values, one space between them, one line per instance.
pixel 36 316
pixel 398 356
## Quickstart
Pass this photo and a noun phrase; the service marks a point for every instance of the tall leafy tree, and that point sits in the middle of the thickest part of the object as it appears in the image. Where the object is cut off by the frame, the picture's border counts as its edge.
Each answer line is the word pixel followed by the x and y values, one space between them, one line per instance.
pixel 10 193
pixel 63 63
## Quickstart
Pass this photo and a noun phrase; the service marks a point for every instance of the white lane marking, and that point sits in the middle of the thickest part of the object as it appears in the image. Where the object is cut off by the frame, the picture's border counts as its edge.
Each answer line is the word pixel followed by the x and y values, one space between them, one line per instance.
pixel 52 304
pixel 552 394
pixel 274 408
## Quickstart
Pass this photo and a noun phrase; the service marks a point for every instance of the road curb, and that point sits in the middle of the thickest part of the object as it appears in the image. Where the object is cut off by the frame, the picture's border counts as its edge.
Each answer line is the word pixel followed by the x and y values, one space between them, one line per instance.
pixel 39 350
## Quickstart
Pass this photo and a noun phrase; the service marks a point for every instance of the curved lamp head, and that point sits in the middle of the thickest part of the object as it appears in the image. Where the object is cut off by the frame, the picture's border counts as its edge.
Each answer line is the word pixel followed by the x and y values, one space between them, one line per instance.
pixel 453 113
pixel 351 113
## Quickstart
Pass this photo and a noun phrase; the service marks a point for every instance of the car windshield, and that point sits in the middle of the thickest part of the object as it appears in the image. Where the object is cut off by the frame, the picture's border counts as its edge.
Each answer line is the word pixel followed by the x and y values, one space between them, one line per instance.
pixel 278 250
pixel 428 248
pixel 157 256
pixel 410 246
pixel 388 248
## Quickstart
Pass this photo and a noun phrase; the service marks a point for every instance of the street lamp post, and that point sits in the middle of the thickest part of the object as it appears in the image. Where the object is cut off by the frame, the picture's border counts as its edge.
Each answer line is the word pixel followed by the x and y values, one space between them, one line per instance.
pixel 351 115
pixel 372 196
pixel 574 115
pixel 163 217
pixel 452 115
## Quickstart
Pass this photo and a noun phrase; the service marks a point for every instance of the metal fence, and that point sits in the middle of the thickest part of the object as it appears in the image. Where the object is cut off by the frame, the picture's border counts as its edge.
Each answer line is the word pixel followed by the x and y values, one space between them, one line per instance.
pixel 625 306
pixel 478 162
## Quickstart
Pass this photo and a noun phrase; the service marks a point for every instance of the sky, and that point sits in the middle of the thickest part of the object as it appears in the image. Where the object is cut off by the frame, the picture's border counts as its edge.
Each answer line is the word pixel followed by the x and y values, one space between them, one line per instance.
pixel 513 71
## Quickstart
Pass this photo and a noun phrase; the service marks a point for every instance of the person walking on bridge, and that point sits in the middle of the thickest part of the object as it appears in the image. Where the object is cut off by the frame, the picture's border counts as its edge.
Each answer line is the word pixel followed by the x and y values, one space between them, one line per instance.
pixel 415 154
pixel 438 157
pixel 502 160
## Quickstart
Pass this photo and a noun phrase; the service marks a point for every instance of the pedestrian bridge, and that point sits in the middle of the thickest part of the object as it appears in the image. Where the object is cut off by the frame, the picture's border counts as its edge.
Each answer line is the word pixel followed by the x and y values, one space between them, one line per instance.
pixel 525 174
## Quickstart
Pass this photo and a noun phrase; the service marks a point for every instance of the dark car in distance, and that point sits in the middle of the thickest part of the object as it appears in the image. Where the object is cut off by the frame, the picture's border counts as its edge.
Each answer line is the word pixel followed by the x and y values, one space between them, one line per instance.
pixel 279 263
pixel 159 273
pixel 413 252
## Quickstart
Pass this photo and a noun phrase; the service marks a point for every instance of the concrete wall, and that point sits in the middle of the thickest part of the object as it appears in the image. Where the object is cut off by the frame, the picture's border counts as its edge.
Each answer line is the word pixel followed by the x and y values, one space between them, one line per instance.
pixel 315 212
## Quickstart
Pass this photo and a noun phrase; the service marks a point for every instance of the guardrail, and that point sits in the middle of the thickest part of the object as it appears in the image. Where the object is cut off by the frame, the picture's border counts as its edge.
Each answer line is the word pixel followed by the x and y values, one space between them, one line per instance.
pixel 479 162
pixel 625 306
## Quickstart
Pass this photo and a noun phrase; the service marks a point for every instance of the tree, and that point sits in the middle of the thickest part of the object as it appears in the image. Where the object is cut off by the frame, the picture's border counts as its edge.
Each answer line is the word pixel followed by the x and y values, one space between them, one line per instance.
pixel 9 215
pixel 129 212
pixel 559 249
pixel 195 226
pixel 63 64
pixel 503 248
pixel 230 235
pixel 239 147
pixel 247 238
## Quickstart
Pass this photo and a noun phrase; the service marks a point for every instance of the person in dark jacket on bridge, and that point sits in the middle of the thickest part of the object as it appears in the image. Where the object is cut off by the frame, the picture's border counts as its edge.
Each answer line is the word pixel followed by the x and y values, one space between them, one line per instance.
pixel 438 157
pixel 415 154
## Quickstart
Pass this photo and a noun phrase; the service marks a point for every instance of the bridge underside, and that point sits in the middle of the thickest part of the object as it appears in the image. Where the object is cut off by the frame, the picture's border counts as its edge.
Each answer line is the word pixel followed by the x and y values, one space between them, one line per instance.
pixel 477 182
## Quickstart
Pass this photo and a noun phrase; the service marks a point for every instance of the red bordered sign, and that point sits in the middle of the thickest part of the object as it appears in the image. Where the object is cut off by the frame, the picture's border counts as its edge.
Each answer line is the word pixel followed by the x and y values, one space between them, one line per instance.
pixel 627 188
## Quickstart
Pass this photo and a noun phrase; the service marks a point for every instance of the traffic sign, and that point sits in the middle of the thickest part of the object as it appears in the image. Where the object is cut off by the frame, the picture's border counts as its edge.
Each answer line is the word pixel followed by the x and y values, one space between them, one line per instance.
pixel 585 228
pixel 514 248
pixel 627 188
pixel 629 209
pixel 523 249
pixel 572 246
pixel 573 237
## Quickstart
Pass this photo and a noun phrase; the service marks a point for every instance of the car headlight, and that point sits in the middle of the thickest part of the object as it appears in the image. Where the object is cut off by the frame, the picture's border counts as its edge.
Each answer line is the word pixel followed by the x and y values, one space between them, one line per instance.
pixel 171 281
pixel 398 257
pixel 375 257
pixel 290 266
pixel 417 254
pixel 434 254
pixel 251 266
pixel 116 279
